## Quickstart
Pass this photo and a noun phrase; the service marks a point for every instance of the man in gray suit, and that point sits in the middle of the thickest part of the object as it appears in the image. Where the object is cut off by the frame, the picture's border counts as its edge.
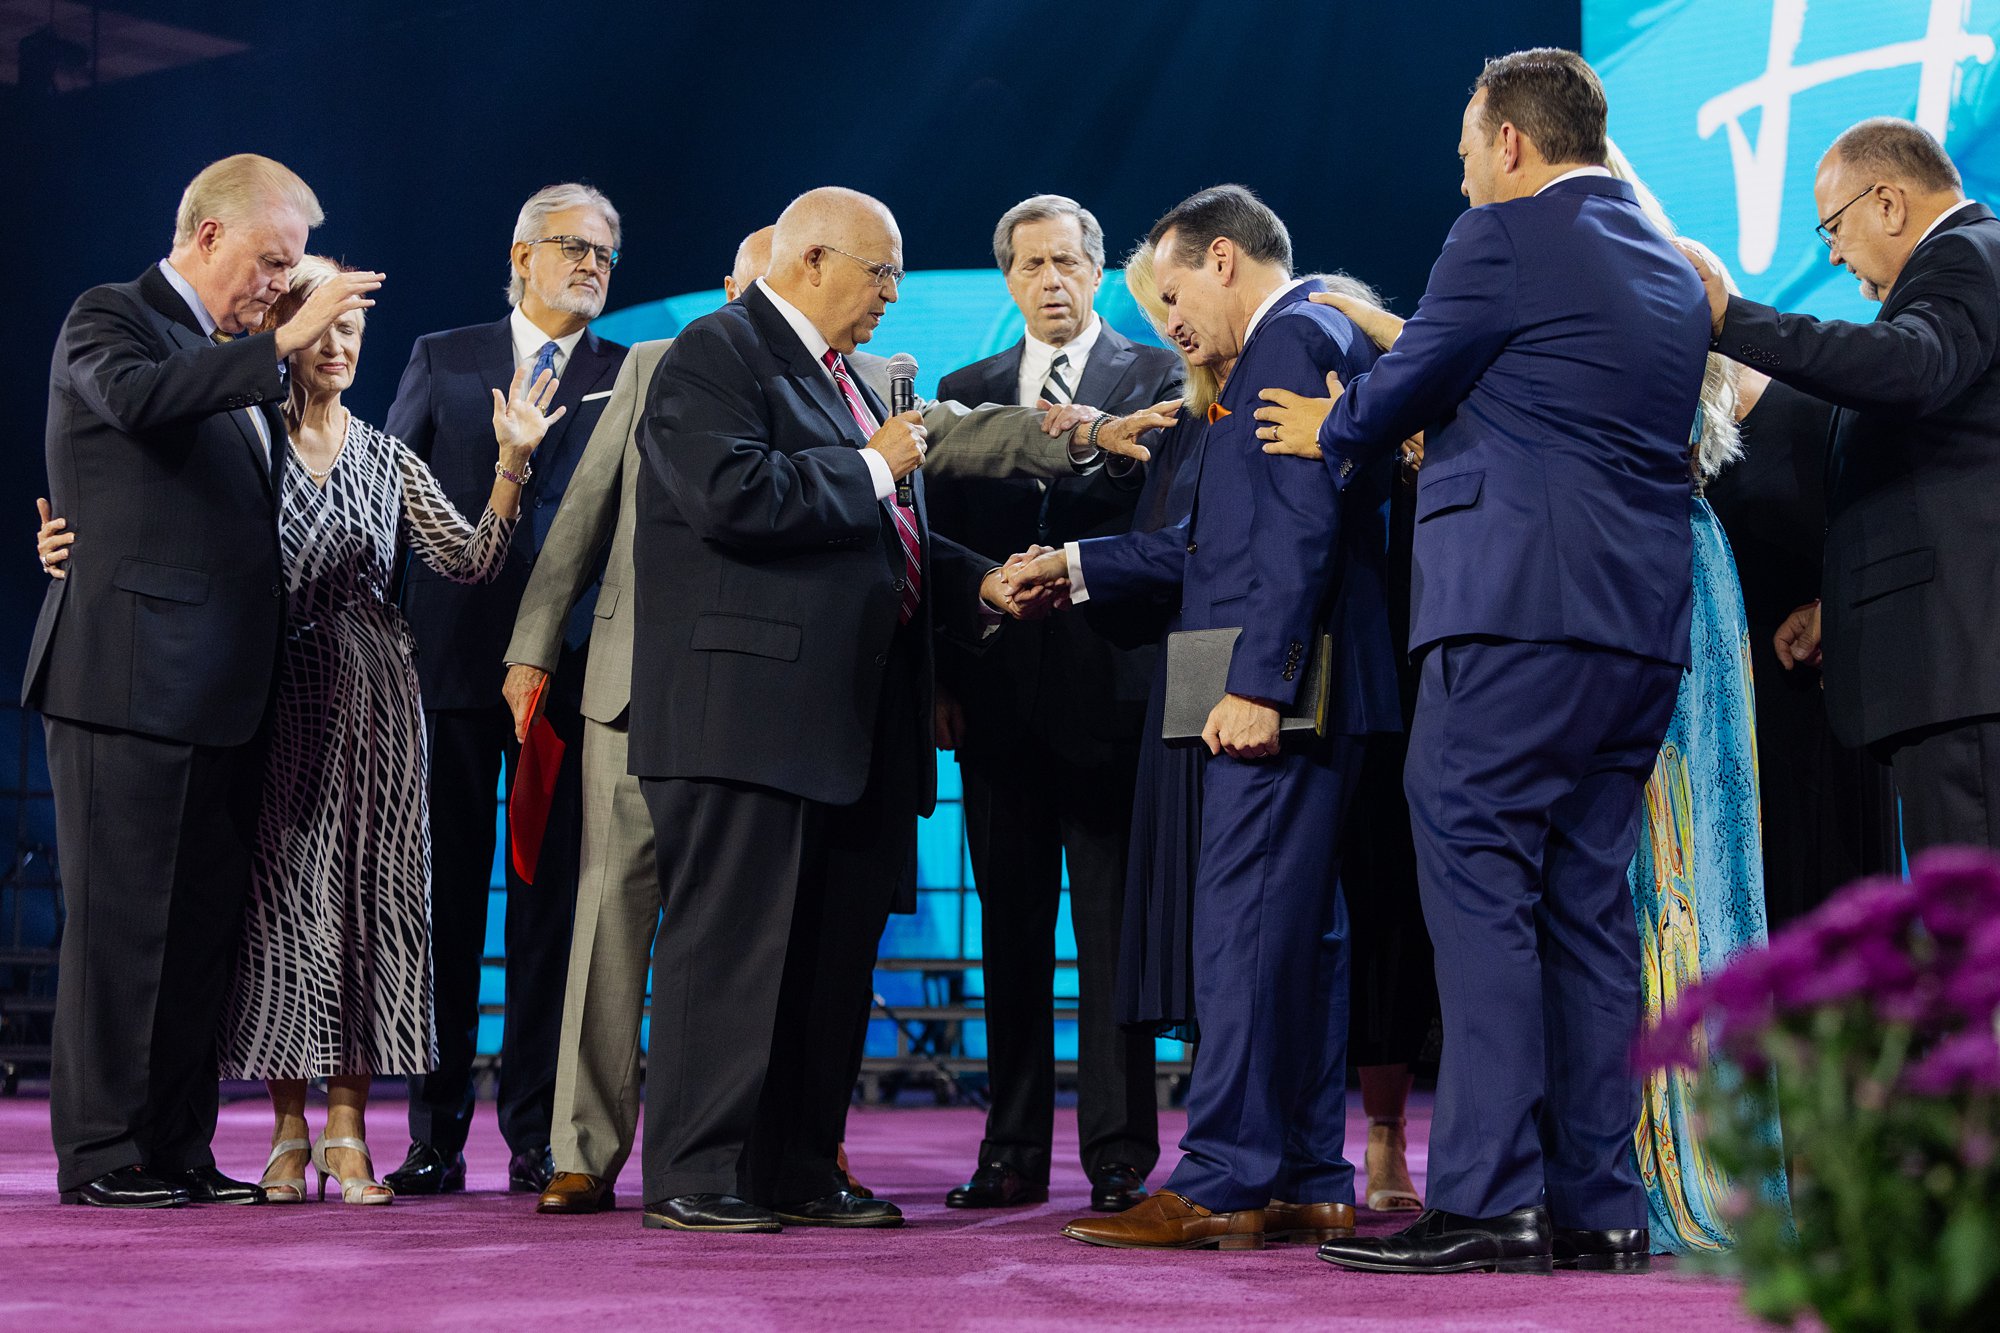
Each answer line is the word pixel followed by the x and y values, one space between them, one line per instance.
pixel 618 893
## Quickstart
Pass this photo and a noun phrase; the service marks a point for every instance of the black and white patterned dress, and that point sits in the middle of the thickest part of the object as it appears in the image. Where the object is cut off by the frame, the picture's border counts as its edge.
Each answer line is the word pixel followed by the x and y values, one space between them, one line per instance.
pixel 334 972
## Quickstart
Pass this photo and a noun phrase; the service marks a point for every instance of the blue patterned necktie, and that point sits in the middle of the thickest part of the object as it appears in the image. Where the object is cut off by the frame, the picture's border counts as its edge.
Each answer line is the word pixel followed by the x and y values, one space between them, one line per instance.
pixel 544 360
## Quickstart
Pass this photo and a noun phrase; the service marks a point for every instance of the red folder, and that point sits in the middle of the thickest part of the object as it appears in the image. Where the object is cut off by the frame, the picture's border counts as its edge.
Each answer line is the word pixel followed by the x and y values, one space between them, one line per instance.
pixel 534 790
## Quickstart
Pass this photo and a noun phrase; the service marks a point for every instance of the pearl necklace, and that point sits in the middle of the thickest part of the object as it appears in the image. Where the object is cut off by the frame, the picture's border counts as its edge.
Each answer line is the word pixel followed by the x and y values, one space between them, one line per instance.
pixel 319 478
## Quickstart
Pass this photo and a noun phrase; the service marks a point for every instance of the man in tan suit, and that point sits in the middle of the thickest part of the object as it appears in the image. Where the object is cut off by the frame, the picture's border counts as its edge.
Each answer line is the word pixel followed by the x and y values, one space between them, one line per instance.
pixel 618 893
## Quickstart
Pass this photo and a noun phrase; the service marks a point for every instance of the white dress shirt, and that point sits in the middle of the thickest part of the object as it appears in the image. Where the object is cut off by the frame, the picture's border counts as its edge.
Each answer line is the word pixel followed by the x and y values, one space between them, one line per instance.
pixel 816 343
pixel 529 340
pixel 1037 356
pixel 208 327
pixel 1578 172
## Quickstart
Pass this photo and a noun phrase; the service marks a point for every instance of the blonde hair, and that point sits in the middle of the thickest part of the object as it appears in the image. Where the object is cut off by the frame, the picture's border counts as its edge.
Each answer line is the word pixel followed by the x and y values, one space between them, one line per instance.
pixel 240 188
pixel 306 276
pixel 1203 385
pixel 1716 442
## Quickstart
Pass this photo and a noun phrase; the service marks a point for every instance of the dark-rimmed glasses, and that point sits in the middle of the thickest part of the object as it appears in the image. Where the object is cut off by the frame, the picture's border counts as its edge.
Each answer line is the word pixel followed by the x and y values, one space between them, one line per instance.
pixel 1825 227
pixel 576 249
pixel 885 275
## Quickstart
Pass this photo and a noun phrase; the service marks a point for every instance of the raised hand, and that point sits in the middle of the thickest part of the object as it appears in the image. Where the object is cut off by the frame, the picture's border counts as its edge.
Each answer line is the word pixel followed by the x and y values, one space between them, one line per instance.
pixel 521 417
pixel 1292 421
pixel 52 542
pixel 1120 435
pixel 340 294
pixel 1381 327
pixel 902 442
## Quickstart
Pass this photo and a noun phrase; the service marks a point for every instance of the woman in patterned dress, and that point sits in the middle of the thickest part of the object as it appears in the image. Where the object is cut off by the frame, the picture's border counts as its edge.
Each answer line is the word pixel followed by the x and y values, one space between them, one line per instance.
pixel 333 976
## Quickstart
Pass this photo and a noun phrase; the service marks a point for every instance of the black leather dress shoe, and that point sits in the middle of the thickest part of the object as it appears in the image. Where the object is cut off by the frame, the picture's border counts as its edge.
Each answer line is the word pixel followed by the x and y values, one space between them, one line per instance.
pixel 530 1172
pixel 127 1187
pixel 1115 1187
pixel 709 1212
pixel 1624 1251
pixel 841 1209
pixel 1441 1242
pixel 427 1171
pixel 205 1184
pixel 996 1185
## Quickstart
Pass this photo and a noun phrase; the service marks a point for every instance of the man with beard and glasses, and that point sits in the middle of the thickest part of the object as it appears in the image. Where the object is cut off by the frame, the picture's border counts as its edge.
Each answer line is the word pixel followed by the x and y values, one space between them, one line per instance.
pixel 565 246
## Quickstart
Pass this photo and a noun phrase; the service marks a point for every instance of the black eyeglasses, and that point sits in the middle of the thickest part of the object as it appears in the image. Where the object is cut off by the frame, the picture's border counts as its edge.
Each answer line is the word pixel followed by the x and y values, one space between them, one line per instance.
pixel 885 275
pixel 575 249
pixel 1825 227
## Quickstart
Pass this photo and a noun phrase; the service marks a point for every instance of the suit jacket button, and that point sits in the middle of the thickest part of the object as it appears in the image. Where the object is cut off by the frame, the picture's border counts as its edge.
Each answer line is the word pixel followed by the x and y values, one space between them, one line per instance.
pixel 901 584
pixel 881 659
pixel 277 590
pixel 1191 547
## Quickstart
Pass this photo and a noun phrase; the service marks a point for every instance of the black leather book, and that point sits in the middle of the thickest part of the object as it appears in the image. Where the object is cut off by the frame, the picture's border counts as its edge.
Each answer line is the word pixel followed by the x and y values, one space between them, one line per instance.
pixel 1198 677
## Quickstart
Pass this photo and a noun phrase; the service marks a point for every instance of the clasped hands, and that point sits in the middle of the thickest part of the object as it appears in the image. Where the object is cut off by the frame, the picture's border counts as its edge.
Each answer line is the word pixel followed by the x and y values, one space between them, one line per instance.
pixel 1030 585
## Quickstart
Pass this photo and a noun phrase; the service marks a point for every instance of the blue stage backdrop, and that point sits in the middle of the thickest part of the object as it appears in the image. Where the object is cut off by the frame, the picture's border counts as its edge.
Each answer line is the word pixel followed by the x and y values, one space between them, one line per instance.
pixel 1725 107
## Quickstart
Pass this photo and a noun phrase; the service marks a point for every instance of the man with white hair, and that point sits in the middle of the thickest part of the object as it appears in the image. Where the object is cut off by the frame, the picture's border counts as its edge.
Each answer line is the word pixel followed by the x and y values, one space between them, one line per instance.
pixel 152 665
pixel 781 719
pixel 565 247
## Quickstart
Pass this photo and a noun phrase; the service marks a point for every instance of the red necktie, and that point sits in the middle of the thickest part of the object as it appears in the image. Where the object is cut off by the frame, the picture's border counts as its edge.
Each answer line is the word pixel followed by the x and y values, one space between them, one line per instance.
pixel 906 519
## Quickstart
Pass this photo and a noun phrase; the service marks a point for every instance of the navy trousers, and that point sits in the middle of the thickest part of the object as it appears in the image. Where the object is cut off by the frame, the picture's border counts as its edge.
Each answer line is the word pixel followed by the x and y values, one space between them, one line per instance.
pixel 1526 769
pixel 1267 1103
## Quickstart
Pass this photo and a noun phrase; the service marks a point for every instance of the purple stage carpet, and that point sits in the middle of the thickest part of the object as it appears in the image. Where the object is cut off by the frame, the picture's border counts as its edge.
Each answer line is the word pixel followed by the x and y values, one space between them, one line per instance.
pixel 483 1259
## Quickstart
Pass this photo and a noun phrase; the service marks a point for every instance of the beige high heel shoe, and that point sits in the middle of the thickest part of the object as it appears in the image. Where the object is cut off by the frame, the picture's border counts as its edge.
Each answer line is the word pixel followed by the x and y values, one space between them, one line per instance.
pixel 353 1189
pixel 292 1189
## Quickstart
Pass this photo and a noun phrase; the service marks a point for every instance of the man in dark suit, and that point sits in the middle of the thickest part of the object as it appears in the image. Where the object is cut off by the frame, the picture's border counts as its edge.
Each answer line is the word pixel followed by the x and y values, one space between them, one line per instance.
pixel 1557 358
pixel 1046 727
pixel 781 720
pixel 565 246
pixel 1911 647
pixel 153 664
pixel 1271 550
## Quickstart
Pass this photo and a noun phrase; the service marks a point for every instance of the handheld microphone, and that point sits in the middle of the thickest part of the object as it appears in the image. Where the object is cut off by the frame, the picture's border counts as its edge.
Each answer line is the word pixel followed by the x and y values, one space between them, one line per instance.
pixel 902 398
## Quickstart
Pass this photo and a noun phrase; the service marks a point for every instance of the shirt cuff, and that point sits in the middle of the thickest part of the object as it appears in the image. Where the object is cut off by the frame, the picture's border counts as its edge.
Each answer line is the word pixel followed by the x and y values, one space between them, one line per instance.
pixel 990 619
pixel 878 471
pixel 1073 555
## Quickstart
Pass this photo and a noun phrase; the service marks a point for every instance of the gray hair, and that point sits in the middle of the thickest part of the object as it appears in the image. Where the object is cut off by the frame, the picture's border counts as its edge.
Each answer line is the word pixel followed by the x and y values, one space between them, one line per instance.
pixel 1041 208
pixel 1346 284
pixel 544 204
pixel 239 188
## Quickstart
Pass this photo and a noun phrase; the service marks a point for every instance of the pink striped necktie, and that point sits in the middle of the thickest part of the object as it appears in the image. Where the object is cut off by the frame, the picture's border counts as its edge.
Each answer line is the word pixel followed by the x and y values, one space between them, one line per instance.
pixel 906 519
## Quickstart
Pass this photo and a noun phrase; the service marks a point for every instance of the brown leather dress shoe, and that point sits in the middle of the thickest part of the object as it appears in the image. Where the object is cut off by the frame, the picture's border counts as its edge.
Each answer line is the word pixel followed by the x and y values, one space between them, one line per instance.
pixel 575 1192
pixel 1167 1221
pixel 1314 1222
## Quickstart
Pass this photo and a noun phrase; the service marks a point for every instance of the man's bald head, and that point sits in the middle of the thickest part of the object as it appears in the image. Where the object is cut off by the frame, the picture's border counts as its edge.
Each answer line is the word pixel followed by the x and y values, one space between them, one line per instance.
pixel 837 255
pixel 753 261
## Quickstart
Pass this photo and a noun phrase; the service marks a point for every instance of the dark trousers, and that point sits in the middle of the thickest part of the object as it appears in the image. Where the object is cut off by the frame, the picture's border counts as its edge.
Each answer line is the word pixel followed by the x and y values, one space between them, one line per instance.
pixel 1267 1103
pixel 155 841
pixel 1526 768
pixel 763 968
pixel 1949 780
pixel 1022 815
pixel 468 747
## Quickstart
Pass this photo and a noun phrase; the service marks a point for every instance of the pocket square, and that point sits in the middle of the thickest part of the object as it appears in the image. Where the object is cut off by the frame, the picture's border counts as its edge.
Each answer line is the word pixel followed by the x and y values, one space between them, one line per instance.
pixel 593 397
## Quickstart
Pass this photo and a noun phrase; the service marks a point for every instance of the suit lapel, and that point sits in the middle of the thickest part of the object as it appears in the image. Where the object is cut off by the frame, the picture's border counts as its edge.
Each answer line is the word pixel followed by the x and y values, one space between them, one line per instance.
pixel 1003 376
pixel 1109 363
pixel 184 330
pixel 810 375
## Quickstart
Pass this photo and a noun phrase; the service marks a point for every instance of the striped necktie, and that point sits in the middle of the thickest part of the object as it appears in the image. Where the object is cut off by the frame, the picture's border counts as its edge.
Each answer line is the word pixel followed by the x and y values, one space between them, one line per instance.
pixel 906 519
pixel 1056 389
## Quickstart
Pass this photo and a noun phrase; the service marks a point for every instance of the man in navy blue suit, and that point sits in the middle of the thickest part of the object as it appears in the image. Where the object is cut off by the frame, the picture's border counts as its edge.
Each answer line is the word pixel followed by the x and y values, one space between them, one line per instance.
pixel 1272 549
pixel 1556 358
pixel 565 246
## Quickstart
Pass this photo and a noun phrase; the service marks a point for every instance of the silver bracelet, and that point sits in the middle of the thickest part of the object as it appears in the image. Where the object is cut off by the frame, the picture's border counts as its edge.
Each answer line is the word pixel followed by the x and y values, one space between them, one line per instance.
pixel 518 478
pixel 1096 424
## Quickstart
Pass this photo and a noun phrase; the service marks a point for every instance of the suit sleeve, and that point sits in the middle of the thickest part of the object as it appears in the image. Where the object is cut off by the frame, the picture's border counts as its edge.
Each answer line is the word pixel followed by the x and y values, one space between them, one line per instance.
pixel 410 419
pixel 992 441
pixel 108 348
pixel 1132 564
pixel 1295 517
pixel 707 439
pixel 1467 312
pixel 956 572
pixel 1944 335
pixel 582 526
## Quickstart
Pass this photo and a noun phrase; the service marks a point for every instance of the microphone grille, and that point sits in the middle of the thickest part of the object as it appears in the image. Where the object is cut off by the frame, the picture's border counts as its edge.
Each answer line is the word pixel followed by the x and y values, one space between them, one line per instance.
pixel 902 366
